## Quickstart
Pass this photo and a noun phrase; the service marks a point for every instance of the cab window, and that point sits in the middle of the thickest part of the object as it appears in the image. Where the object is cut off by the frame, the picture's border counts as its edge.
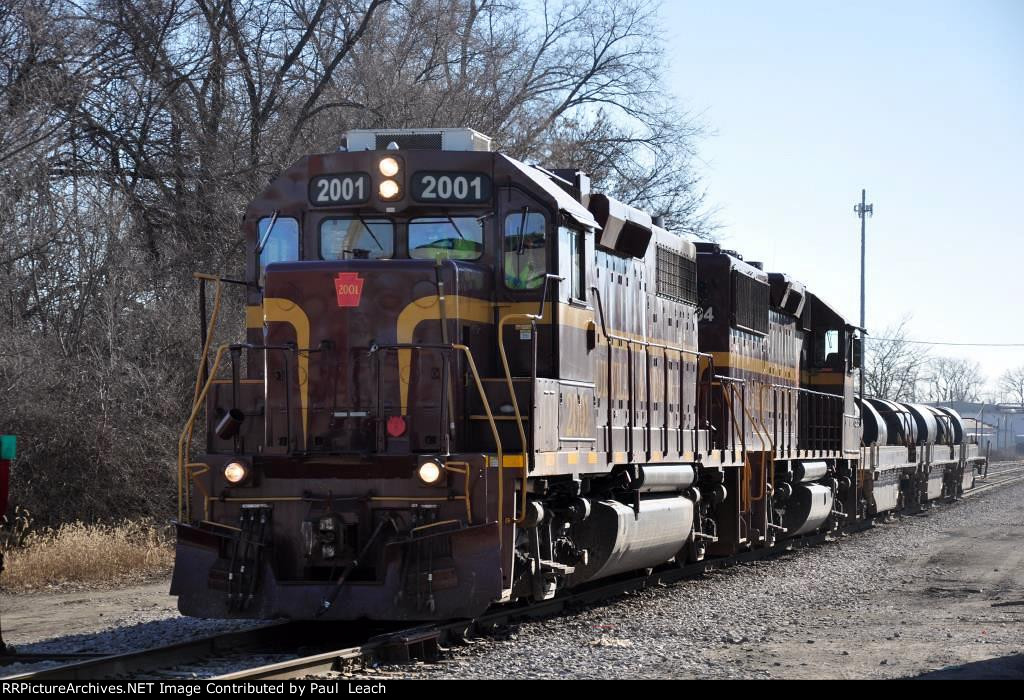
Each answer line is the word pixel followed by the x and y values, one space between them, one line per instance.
pixel 576 250
pixel 525 250
pixel 282 243
pixel 827 349
pixel 446 237
pixel 363 239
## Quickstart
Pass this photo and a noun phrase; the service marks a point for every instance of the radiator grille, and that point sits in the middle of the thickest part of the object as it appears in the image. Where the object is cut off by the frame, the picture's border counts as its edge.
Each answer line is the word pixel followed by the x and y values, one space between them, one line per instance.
pixel 676 276
pixel 749 303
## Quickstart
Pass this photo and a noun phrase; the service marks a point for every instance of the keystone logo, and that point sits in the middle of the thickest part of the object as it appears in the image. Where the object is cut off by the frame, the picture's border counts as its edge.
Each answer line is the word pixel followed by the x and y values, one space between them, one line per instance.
pixel 349 287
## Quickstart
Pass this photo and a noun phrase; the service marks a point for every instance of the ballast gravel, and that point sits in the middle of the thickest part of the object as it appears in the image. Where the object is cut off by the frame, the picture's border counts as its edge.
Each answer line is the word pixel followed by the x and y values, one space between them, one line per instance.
pixel 936 594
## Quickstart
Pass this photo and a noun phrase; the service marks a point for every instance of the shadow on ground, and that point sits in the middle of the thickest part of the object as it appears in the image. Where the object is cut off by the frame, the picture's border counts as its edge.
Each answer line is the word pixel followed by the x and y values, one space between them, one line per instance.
pixel 1005 668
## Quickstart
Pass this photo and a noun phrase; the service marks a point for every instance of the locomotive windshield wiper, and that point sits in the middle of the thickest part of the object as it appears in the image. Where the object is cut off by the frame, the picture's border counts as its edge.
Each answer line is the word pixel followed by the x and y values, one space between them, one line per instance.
pixel 266 236
pixel 455 226
pixel 522 225
pixel 369 230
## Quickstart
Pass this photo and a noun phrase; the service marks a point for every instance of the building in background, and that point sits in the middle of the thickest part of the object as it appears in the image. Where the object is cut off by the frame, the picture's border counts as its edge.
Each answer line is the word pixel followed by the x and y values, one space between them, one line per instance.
pixel 999 427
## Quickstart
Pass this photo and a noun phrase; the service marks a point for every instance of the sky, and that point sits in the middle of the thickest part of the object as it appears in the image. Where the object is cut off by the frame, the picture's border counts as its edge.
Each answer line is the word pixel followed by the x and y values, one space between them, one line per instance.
pixel 921 103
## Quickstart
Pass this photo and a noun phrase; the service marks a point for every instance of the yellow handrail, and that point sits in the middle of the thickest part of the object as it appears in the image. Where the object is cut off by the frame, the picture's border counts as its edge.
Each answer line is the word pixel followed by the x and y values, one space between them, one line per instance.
pixel 449 466
pixel 748 469
pixel 209 327
pixel 767 434
pixel 515 402
pixel 185 439
pixel 497 440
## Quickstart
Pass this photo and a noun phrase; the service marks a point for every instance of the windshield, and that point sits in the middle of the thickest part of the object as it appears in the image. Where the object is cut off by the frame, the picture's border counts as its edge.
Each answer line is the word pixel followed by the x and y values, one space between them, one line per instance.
pixel 446 237
pixel 344 239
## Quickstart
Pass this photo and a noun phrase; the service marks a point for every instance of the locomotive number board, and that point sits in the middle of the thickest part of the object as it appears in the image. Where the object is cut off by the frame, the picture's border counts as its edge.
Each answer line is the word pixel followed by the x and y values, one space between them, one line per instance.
pixel 451 187
pixel 344 188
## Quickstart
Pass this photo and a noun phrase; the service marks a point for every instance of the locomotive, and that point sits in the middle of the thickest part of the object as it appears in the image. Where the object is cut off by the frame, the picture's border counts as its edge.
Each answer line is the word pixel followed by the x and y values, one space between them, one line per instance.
pixel 469 381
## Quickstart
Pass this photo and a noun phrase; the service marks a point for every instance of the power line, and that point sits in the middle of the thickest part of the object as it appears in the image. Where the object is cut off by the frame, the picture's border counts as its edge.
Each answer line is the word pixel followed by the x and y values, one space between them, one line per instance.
pixel 935 342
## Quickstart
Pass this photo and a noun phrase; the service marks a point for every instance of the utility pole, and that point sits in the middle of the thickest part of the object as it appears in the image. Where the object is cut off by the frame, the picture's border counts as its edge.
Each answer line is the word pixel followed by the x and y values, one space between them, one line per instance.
pixel 862 209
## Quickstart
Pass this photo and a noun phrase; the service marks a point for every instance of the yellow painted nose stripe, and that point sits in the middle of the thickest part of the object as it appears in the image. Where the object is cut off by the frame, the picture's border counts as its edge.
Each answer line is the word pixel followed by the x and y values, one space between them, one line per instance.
pixel 287 311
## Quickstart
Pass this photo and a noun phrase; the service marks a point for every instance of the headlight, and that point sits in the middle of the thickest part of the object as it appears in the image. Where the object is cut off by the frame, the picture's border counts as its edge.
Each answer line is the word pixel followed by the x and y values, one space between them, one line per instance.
pixel 388 189
pixel 388 167
pixel 429 472
pixel 235 472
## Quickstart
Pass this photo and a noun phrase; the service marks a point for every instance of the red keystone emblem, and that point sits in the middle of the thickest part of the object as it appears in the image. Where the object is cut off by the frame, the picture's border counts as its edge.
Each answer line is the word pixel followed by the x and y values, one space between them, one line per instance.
pixel 349 286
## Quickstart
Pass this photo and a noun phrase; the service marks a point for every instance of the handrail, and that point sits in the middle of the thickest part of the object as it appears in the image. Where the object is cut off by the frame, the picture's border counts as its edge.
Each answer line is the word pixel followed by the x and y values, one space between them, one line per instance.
pixel 185 439
pixel 508 373
pixel 828 430
pixel 497 440
pixel 771 438
pixel 209 328
pixel 532 318
pixel 648 344
pixel 490 419
pixel 763 433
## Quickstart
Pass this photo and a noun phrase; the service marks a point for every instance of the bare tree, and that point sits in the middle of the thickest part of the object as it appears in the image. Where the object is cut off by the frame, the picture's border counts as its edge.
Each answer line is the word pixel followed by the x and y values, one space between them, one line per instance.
pixel 1011 384
pixel 893 367
pixel 953 379
pixel 582 88
pixel 134 132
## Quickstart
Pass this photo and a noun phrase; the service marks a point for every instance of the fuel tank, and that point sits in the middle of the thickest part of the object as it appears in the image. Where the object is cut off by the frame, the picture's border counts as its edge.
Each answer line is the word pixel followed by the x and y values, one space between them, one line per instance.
pixel 618 540
pixel 807 509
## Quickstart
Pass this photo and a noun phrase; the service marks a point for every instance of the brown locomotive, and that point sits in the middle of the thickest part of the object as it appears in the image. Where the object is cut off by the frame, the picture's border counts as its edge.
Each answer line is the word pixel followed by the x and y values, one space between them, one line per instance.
pixel 468 381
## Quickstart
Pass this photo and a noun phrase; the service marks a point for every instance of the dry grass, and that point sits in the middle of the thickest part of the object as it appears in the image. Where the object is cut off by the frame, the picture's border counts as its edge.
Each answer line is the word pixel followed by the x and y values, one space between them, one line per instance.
pixel 77 555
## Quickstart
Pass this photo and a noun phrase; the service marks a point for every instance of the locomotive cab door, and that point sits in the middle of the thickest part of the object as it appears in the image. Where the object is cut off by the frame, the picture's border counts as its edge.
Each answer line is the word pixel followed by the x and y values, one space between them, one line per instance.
pixel 528 243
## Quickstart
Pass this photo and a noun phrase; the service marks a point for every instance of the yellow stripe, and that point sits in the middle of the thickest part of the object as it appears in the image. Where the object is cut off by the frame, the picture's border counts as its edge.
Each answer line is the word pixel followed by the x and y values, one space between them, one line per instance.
pixel 428 308
pixel 576 317
pixel 753 364
pixel 822 378
pixel 287 311
pixel 254 317
pixel 464 308
pixel 512 461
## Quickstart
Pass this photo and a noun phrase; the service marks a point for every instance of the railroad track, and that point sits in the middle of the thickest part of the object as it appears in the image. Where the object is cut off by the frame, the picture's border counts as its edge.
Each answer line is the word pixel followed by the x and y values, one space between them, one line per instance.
pixel 999 474
pixel 281 638
pixel 276 639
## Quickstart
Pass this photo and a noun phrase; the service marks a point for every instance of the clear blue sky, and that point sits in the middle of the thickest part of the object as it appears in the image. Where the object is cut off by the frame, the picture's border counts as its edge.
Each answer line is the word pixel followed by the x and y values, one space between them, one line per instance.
pixel 922 103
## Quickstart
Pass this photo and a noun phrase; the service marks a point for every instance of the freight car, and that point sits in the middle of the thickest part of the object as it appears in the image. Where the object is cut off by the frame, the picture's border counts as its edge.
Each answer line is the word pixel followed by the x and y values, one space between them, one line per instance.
pixel 469 381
